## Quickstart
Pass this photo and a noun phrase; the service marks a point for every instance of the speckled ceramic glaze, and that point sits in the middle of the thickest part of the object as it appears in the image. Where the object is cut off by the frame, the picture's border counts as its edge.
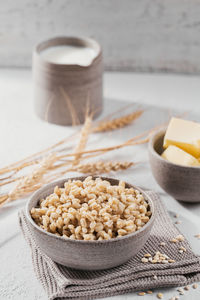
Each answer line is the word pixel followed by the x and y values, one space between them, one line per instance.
pixel 180 182
pixel 88 255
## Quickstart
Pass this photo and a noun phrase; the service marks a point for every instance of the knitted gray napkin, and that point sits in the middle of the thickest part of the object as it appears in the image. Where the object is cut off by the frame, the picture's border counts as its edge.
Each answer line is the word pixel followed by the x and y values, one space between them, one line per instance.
pixel 64 283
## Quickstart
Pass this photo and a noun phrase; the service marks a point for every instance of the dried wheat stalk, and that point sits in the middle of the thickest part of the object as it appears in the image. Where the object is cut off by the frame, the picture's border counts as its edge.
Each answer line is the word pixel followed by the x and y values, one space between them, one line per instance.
pixel 26 183
pixel 85 131
pixel 46 115
pixel 25 163
pixel 101 167
pixel 39 176
pixel 97 152
pixel 137 140
pixel 98 167
pixel 74 116
pixel 117 112
pixel 36 179
pixel 117 122
pixel 131 142
pixel 33 159
pixel 10 180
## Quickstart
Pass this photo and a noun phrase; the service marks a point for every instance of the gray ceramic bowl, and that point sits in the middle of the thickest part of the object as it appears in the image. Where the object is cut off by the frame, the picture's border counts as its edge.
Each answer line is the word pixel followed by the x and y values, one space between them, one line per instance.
pixel 88 255
pixel 180 182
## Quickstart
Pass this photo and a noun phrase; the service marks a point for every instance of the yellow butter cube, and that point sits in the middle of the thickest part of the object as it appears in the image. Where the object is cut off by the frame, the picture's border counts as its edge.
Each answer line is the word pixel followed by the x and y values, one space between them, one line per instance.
pixel 179 157
pixel 183 134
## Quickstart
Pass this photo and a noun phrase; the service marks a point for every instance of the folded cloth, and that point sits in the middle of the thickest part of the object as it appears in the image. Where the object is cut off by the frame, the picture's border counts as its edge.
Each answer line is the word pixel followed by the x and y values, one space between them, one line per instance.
pixel 61 282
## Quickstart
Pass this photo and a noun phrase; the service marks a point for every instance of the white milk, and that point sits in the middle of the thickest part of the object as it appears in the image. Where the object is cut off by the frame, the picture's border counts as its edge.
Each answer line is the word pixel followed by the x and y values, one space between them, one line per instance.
pixel 69 55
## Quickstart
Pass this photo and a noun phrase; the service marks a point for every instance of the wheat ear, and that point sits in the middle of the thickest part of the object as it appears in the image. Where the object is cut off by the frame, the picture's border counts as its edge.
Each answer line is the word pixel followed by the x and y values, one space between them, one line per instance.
pixel 102 167
pixel 118 122
pixel 99 167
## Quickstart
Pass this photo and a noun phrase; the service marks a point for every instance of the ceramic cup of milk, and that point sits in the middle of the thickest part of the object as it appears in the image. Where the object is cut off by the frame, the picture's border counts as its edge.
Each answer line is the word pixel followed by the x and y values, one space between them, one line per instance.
pixel 67 73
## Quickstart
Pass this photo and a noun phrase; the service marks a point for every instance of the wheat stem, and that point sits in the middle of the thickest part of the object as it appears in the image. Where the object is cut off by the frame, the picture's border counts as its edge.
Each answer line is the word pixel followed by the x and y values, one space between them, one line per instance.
pixel 74 116
pixel 85 131
pixel 92 153
pixel 33 178
pixel 134 141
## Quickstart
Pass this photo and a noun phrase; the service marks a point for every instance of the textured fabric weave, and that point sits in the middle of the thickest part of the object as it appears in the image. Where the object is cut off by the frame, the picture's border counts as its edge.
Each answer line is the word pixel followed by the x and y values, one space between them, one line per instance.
pixel 64 283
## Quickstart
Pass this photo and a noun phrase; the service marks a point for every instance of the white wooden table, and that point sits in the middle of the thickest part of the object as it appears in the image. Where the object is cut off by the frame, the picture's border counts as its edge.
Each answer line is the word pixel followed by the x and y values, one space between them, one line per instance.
pixel 22 133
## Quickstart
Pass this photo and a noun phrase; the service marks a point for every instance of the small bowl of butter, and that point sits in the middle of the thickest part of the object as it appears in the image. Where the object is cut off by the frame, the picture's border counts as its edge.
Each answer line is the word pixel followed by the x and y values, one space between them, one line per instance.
pixel 174 155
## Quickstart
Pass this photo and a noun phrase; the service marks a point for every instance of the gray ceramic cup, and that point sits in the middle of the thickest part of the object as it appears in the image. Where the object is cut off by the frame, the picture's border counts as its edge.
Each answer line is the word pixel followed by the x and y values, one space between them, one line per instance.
pixel 88 255
pixel 180 182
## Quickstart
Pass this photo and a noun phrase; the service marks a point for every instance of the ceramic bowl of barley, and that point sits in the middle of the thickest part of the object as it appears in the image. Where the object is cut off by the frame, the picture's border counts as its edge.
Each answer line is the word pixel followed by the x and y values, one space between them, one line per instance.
pixel 96 223
pixel 181 182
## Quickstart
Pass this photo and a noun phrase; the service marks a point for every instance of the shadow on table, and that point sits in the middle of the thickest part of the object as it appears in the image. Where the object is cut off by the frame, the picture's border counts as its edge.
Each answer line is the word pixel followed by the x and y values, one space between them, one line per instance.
pixel 193 207
pixel 12 207
pixel 13 236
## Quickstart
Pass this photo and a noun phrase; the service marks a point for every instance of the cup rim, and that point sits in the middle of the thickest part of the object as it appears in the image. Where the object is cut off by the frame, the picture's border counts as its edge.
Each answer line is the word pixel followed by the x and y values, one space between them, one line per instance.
pixel 113 240
pixel 67 40
pixel 151 149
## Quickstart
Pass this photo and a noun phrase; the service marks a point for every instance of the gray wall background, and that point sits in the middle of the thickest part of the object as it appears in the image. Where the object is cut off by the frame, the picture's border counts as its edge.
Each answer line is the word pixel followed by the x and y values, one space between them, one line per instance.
pixel 136 35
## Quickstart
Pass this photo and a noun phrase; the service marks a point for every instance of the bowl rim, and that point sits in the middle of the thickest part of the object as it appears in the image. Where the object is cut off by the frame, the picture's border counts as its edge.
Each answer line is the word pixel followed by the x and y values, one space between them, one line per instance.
pixel 151 149
pixel 93 242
